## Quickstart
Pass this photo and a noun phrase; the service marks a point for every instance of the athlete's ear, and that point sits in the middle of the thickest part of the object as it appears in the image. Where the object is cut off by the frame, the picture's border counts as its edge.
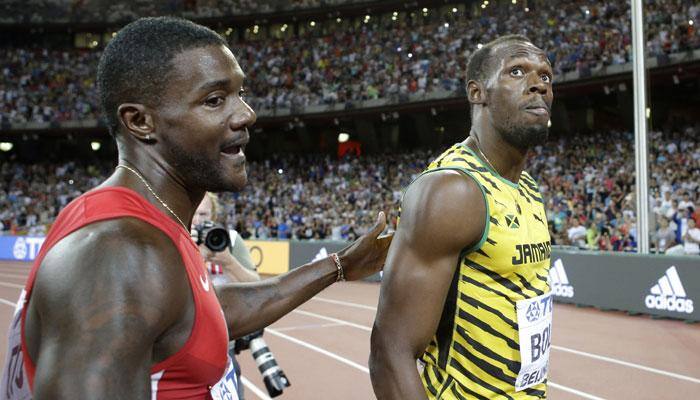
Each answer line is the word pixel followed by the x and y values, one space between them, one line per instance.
pixel 476 92
pixel 137 120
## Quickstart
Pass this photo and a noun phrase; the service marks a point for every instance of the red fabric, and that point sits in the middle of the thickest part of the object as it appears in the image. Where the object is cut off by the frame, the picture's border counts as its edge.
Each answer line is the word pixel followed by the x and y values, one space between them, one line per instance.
pixel 202 361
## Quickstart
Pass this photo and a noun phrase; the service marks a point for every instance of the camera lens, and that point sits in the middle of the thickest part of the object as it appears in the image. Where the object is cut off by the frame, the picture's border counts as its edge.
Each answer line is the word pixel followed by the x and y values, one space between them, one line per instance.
pixel 217 239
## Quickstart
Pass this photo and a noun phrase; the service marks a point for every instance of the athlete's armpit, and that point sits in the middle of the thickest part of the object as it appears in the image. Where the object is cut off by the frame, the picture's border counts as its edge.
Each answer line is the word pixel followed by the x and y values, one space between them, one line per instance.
pixel 102 298
pixel 443 213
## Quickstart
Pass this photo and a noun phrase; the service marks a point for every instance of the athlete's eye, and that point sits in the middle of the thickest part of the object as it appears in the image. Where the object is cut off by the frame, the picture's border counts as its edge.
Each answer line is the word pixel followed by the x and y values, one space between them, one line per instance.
pixel 517 71
pixel 546 78
pixel 214 101
pixel 241 93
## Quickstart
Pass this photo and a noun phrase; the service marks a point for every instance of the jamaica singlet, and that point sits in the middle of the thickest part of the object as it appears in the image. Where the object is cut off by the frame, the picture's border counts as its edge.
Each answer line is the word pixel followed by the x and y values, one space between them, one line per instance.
pixel 493 338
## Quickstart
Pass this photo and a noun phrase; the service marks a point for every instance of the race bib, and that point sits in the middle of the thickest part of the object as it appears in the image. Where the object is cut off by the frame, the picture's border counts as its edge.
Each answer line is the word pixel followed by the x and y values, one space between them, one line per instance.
pixel 226 388
pixel 535 332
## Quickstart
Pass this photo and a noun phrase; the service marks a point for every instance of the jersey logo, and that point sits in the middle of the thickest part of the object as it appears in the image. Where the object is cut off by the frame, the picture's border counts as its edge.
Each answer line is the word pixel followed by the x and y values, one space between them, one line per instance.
pixel 512 221
pixel 205 282
pixel 669 294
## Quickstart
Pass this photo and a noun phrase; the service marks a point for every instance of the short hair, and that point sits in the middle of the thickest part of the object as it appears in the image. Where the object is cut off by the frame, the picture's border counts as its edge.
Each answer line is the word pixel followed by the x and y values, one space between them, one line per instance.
pixel 136 64
pixel 477 68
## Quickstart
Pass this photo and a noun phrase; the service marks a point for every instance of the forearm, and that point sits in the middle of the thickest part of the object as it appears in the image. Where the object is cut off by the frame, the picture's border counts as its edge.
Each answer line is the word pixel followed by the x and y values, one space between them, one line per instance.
pixel 242 274
pixel 249 307
pixel 395 375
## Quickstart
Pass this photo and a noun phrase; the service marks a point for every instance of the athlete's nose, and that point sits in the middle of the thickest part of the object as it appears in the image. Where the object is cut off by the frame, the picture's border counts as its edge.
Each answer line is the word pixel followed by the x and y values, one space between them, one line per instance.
pixel 243 116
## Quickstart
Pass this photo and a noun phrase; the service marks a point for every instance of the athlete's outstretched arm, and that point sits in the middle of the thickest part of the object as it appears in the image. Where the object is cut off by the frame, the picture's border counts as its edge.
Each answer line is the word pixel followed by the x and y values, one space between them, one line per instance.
pixel 249 307
pixel 101 299
pixel 443 213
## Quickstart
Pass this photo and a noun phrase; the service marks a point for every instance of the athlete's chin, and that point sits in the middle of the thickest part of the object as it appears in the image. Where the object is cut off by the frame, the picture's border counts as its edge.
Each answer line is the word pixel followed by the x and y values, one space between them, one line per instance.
pixel 528 136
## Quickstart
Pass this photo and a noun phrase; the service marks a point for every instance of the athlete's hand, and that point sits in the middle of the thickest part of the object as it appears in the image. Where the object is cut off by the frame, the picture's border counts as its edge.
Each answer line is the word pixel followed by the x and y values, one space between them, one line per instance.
pixel 366 255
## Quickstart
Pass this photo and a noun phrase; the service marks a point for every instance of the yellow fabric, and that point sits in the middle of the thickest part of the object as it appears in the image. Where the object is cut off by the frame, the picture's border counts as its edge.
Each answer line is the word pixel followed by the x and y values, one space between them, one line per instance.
pixel 475 352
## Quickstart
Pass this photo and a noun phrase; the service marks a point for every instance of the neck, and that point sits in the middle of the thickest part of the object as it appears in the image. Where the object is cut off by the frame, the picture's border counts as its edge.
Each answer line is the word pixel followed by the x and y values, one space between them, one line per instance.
pixel 507 160
pixel 164 181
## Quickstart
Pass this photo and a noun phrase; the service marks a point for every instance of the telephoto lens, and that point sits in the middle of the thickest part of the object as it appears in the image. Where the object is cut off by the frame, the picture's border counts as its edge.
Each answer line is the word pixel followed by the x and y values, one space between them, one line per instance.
pixel 273 376
pixel 214 236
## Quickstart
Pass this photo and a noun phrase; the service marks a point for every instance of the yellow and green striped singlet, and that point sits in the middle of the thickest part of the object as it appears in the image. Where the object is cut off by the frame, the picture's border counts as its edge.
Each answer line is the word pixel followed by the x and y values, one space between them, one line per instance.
pixel 475 352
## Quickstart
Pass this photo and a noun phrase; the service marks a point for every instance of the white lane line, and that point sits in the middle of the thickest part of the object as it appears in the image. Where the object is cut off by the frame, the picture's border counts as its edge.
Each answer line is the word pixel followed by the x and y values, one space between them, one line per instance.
pixel 14 276
pixel 309 326
pixel 344 303
pixel 8 302
pixel 258 392
pixel 628 364
pixel 560 348
pixel 12 285
pixel 574 391
pixel 337 321
pixel 366 370
pixel 319 350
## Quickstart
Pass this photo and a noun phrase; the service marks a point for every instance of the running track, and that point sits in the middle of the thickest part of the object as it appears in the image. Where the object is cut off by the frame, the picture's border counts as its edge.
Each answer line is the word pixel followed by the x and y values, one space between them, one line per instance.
pixel 324 345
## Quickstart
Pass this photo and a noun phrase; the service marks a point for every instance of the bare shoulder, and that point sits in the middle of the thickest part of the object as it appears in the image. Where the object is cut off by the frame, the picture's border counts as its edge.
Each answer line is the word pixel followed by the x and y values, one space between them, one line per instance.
pixel 111 264
pixel 447 207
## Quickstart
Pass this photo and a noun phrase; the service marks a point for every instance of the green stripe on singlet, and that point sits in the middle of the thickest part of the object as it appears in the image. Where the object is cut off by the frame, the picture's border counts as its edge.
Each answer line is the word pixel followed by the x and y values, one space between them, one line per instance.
pixel 477 304
pixel 492 370
pixel 496 277
pixel 487 328
pixel 513 366
pixel 478 381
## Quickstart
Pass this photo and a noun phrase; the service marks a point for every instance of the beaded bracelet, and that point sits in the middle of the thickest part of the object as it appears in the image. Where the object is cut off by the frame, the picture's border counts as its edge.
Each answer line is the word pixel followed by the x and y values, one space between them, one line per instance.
pixel 341 272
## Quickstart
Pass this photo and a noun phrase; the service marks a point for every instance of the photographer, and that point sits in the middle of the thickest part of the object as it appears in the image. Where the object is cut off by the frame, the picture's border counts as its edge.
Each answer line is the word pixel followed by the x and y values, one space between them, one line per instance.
pixel 233 264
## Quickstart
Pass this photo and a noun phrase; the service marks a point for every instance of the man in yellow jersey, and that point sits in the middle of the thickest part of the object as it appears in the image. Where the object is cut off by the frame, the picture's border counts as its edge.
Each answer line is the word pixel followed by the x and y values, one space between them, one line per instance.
pixel 465 287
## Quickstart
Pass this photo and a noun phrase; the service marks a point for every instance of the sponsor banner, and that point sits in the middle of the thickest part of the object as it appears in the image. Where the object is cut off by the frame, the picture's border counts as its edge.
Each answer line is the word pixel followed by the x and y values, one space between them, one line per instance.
pixel 657 285
pixel 303 252
pixel 20 248
pixel 270 257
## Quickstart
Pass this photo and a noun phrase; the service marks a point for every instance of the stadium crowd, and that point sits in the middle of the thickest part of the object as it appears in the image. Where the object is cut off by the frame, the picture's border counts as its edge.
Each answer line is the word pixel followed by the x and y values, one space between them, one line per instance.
pixel 376 58
pixel 587 182
pixel 90 11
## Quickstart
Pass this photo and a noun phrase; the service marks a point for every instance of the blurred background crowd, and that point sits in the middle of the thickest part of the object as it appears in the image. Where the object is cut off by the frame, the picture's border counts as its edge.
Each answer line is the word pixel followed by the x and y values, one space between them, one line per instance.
pixel 587 182
pixel 384 57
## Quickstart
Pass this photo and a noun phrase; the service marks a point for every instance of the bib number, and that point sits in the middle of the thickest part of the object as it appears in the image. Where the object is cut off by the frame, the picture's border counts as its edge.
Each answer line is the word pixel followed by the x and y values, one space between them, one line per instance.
pixel 226 388
pixel 535 333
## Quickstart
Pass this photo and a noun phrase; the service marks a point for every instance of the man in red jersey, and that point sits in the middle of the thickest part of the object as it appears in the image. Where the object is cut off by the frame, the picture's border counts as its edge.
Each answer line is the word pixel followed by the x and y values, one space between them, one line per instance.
pixel 118 304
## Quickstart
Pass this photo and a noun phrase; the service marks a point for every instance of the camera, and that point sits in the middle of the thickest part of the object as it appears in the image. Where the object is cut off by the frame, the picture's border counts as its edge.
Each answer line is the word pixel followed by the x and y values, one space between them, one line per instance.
pixel 273 376
pixel 214 236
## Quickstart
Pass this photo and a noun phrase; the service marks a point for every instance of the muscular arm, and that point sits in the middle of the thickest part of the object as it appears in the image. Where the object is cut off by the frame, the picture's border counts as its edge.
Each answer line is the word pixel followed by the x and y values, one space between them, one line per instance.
pixel 102 298
pixel 442 214
pixel 251 306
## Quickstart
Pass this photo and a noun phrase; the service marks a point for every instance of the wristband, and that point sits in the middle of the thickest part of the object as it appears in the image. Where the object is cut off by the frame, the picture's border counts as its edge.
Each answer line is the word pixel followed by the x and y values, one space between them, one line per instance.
pixel 341 272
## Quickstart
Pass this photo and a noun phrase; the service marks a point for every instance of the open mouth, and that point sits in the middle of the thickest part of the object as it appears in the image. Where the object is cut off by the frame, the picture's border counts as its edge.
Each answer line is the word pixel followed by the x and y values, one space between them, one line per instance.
pixel 234 149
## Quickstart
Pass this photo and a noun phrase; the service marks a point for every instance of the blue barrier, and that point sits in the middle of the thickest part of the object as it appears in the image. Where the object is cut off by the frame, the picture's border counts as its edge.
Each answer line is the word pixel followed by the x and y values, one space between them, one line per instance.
pixel 20 248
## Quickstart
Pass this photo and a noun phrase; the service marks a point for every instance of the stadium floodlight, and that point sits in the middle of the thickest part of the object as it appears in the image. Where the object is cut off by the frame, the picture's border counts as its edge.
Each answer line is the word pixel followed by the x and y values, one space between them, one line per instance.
pixel 478 46
pixel 280 171
pixel 338 20
pixel 343 137
pixel 312 23
pixel 6 146
pixel 425 10
pixel 515 1
pixel 447 25
pixel 690 22
pixel 454 9
pixel 483 6
pixel 95 146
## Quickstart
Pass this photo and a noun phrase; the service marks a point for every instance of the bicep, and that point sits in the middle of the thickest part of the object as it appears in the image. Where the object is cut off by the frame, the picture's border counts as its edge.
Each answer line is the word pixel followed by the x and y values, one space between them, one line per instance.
pixel 413 292
pixel 102 298
pixel 441 217
pixel 101 353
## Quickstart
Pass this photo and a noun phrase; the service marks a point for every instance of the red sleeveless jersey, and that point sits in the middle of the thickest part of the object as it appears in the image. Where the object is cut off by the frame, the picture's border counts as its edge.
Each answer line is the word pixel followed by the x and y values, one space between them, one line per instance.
pixel 200 369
